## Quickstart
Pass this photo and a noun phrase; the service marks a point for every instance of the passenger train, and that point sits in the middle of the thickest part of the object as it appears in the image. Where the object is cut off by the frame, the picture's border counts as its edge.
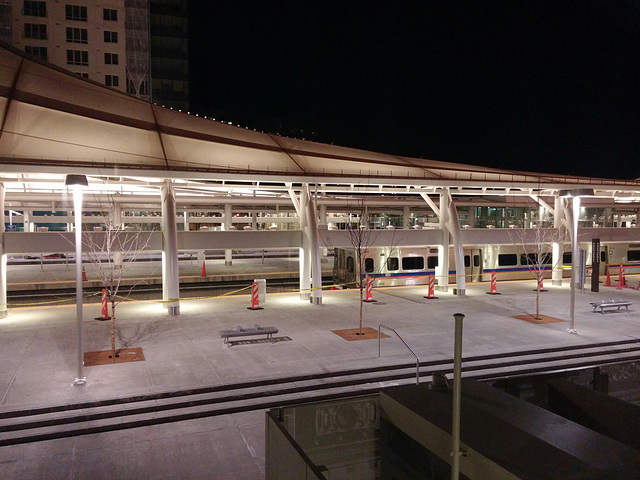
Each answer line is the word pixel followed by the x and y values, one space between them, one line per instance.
pixel 395 266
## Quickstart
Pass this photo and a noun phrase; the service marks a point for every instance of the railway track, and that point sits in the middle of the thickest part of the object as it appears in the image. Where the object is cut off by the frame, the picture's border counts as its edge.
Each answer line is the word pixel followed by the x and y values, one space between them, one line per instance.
pixel 60 421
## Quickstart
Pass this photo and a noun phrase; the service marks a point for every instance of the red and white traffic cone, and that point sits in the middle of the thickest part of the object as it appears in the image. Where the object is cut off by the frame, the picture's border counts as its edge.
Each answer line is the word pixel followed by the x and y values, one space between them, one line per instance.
pixel 105 307
pixel 432 282
pixel 84 275
pixel 204 270
pixel 369 291
pixel 540 281
pixel 255 300
pixel 494 285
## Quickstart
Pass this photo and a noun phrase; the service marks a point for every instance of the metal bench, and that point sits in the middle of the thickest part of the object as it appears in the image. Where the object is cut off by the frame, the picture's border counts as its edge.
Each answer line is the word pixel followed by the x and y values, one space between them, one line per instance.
pixel 247 332
pixel 610 304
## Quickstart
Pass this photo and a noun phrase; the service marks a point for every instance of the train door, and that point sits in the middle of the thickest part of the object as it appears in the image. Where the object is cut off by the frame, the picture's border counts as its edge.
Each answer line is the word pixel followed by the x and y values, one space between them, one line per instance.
pixel 474 271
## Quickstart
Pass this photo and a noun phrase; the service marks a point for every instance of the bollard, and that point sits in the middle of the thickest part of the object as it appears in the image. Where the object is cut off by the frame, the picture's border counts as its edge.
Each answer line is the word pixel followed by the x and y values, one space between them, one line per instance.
pixel 369 291
pixel 105 307
pixel 432 281
pixel 494 285
pixel 255 299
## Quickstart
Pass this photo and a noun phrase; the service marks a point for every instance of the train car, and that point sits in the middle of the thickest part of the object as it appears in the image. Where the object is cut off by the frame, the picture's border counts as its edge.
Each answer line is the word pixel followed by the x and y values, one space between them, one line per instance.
pixel 397 266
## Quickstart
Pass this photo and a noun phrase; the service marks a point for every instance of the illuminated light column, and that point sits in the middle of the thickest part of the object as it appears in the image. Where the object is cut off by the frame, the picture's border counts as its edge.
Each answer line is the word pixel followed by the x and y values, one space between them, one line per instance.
pixel 3 259
pixel 575 255
pixel 406 214
pixel 442 270
pixel 77 182
pixel 556 259
pixel 305 251
pixel 228 257
pixel 170 273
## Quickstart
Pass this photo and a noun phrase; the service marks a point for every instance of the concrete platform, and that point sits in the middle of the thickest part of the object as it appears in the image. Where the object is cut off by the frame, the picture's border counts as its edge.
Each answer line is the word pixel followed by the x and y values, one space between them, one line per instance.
pixel 38 354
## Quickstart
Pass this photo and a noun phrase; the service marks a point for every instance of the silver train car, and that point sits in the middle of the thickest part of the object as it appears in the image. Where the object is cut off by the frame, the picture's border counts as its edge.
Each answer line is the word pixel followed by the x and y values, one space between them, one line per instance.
pixel 397 266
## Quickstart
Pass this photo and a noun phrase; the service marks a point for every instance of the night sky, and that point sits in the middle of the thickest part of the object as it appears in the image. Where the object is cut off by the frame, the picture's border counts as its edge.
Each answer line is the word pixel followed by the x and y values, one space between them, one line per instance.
pixel 541 86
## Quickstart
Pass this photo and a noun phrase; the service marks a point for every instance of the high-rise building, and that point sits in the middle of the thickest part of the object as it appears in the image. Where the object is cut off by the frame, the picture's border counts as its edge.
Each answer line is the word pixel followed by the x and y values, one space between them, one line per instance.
pixel 136 46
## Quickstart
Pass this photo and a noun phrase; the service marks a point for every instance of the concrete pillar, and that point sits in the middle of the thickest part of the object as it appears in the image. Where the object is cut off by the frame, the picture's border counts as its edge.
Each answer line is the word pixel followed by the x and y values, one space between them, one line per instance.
pixel 228 257
pixel 115 219
pixel 26 222
pixel 472 217
pixel 406 214
pixel 3 258
pixel 558 245
pixel 170 272
pixel 254 220
pixel 186 221
pixel 323 215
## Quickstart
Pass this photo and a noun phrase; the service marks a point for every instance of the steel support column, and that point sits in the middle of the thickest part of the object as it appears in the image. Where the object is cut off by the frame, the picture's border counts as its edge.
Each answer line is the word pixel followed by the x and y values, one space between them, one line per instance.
pixel 170 273
pixel 3 259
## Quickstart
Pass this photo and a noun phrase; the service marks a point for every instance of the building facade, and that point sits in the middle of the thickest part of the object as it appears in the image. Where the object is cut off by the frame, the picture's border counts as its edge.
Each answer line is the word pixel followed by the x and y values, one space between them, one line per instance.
pixel 135 46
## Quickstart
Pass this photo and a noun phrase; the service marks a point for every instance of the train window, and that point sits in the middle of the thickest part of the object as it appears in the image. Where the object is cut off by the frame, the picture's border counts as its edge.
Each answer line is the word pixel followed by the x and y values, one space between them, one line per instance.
pixel 432 262
pixel 529 259
pixel 350 264
pixel 368 265
pixel 566 258
pixel 633 255
pixel 413 263
pixel 467 261
pixel 476 260
pixel 603 256
pixel 392 263
pixel 505 259
pixel 547 259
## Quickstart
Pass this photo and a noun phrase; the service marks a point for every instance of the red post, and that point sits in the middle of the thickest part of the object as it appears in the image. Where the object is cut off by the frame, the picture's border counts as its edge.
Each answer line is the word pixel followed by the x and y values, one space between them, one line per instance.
pixel 84 275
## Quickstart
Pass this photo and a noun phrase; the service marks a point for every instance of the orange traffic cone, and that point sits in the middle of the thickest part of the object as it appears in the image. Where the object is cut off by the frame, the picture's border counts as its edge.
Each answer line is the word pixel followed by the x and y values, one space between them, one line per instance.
pixel 204 270
pixel 607 282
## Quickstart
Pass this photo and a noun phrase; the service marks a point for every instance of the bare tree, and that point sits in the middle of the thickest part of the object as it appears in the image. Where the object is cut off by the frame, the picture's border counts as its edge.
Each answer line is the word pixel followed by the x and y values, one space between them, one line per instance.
pixel 112 253
pixel 534 245
pixel 362 238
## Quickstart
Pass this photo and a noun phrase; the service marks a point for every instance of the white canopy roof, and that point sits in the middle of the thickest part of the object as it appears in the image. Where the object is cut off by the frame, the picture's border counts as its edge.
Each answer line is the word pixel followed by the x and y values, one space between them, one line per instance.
pixel 55 121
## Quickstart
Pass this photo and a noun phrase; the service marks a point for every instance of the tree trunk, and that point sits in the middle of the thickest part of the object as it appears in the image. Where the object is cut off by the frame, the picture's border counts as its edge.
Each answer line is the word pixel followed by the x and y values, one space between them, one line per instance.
pixel 361 301
pixel 113 331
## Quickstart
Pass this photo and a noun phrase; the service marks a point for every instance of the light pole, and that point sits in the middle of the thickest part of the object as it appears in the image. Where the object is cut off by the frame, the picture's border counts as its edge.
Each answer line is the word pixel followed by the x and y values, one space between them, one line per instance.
pixel 77 182
pixel 575 246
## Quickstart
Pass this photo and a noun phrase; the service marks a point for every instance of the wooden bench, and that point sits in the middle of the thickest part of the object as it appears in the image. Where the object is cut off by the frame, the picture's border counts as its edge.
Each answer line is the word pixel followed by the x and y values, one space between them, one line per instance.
pixel 247 332
pixel 610 304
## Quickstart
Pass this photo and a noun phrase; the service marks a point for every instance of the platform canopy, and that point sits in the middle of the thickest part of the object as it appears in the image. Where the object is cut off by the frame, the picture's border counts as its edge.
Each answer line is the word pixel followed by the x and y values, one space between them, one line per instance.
pixel 54 122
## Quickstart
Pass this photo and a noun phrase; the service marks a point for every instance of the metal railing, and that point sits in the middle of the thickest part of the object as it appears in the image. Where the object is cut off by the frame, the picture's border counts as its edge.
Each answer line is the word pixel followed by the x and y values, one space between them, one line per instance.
pixel 405 344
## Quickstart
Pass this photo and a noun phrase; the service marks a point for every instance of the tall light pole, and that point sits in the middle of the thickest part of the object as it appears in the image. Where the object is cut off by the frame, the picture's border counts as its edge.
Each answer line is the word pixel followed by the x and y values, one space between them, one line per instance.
pixel 456 453
pixel 77 182
pixel 575 246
